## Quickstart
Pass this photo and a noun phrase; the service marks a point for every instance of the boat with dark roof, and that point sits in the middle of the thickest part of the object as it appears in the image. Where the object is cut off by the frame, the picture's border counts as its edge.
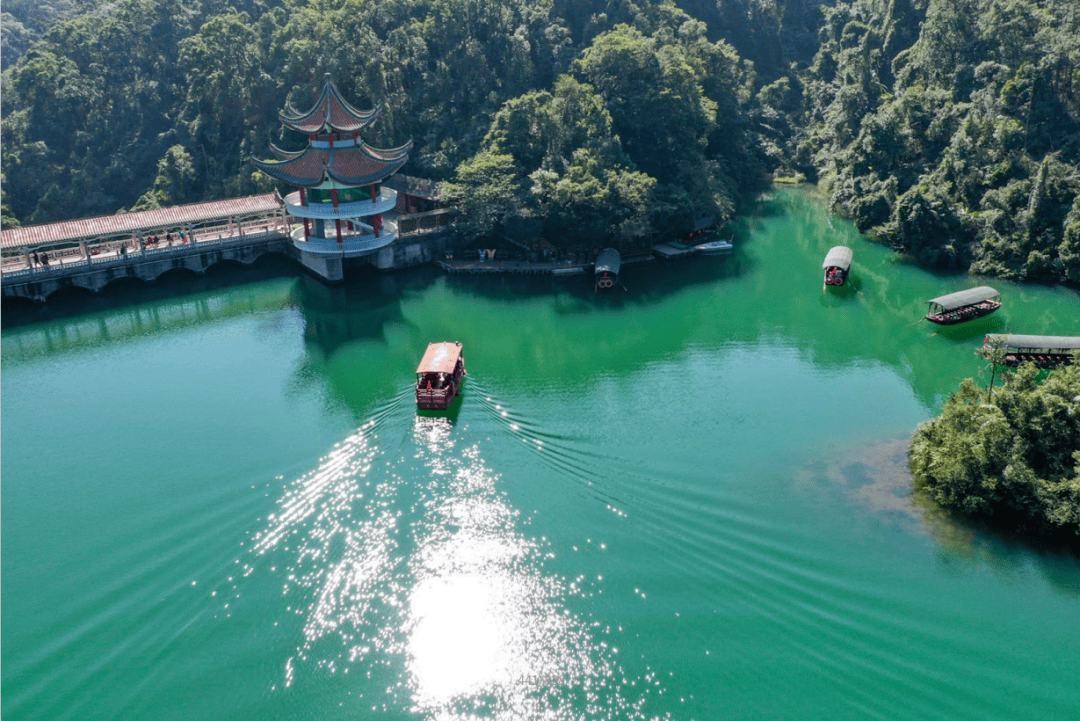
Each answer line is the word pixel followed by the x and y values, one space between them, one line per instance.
pixel 1045 351
pixel 963 305
pixel 439 376
pixel 837 265
pixel 606 270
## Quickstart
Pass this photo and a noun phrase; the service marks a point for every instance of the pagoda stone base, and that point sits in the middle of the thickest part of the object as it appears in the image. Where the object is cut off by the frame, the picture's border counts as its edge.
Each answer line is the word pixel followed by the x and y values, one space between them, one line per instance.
pixel 328 268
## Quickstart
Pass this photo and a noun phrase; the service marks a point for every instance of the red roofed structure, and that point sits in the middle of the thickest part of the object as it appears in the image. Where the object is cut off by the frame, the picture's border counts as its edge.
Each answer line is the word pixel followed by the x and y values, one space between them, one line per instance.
pixel 339 178
pixel 330 114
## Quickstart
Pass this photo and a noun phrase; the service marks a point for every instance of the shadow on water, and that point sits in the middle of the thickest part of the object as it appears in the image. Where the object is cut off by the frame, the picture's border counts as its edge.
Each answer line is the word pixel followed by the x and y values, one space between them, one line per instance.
pixel 640 283
pixel 972 329
pixel 360 309
pixel 126 293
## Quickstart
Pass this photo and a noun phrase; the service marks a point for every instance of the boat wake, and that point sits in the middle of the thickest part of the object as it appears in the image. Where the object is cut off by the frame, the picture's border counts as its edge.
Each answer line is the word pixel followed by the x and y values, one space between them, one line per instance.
pixel 410 571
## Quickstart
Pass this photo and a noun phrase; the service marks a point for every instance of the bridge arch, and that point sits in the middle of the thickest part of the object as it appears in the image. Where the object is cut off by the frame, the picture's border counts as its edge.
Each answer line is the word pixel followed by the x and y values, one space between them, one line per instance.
pixel 224 265
pixel 175 273
pixel 70 292
pixel 124 282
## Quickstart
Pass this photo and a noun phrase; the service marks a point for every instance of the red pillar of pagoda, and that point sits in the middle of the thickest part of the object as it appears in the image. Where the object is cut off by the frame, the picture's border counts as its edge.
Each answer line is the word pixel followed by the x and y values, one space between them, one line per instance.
pixel 303 201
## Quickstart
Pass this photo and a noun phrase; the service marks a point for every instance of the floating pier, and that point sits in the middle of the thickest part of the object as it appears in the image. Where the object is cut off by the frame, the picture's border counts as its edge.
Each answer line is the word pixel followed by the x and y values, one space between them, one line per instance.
pixel 670 252
pixel 515 267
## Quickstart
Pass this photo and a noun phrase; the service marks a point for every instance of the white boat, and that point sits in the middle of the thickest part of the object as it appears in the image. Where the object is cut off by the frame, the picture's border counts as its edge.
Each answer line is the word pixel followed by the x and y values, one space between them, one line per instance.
pixel 715 247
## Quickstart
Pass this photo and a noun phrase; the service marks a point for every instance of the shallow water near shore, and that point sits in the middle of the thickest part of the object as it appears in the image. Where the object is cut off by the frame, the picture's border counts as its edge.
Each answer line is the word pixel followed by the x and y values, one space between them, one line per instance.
pixel 687 499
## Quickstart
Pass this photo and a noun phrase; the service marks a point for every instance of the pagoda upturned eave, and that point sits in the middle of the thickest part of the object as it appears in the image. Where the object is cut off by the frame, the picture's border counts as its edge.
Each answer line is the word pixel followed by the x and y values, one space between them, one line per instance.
pixel 351 166
pixel 331 113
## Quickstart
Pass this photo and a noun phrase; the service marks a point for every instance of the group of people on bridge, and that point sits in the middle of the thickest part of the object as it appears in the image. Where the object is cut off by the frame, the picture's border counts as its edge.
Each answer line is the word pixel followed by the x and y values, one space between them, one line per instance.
pixel 155 239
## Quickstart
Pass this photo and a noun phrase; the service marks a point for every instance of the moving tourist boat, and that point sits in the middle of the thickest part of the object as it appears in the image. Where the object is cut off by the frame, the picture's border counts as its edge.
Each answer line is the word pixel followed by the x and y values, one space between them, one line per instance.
pixel 963 305
pixel 607 267
pixel 837 264
pixel 715 247
pixel 439 376
pixel 1045 351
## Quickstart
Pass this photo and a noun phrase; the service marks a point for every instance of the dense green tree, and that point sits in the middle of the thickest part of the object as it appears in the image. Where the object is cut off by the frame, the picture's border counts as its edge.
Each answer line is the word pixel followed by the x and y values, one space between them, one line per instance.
pixel 486 188
pixel 1015 461
pixel 957 144
pixel 175 181
pixel 948 129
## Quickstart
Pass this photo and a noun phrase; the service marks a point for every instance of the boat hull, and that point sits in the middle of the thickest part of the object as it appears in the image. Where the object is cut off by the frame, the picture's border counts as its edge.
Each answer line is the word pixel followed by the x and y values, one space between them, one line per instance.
pixel 835 276
pixel 439 376
pixel 437 399
pixel 1042 360
pixel 605 281
pixel 606 268
pixel 962 315
pixel 716 247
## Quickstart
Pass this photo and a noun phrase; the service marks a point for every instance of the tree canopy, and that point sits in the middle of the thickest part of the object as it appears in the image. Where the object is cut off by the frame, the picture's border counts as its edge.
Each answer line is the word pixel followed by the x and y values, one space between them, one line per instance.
pixel 949 129
pixel 1015 461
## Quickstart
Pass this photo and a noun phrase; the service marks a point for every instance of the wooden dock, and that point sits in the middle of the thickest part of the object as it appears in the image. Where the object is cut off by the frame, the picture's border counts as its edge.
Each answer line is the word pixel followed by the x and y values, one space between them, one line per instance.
pixel 514 267
pixel 670 252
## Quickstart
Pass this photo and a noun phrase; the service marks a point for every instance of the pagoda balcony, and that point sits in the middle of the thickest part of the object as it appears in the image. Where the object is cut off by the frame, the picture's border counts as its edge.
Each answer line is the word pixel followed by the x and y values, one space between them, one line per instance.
pixel 386 202
pixel 353 244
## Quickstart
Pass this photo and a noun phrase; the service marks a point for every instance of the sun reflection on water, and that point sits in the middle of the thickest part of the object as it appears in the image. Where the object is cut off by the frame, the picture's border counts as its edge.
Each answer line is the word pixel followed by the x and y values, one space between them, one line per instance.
pixel 413 572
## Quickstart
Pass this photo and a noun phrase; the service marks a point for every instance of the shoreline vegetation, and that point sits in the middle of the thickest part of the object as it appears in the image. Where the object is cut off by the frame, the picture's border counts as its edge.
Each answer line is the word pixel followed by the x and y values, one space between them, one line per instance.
pixel 1008 456
pixel 946 129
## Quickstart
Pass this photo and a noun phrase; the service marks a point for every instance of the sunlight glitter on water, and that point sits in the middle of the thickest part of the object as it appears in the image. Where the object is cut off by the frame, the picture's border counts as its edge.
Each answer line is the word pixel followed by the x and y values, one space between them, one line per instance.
pixel 415 573
pixel 487 628
pixel 341 531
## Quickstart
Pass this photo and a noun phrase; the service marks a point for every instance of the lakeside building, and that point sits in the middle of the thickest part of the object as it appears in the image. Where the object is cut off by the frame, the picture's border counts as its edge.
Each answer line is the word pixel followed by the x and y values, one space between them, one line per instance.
pixel 341 195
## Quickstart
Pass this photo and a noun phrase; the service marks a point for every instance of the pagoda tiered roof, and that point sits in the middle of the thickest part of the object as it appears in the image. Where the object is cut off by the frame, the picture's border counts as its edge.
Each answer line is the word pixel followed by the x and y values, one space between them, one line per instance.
pixel 331 113
pixel 353 164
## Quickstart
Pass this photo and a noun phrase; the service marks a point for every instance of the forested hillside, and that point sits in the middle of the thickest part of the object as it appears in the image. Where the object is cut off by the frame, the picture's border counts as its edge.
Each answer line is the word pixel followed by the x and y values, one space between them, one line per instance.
pixel 949 129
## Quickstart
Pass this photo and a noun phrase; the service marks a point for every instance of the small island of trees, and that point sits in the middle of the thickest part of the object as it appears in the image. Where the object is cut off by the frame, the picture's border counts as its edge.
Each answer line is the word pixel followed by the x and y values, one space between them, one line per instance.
pixel 1010 455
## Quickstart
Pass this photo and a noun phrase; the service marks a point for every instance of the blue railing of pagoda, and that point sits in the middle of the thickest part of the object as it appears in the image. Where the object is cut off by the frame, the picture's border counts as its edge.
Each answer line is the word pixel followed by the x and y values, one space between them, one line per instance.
pixel 325 211
pixel 351 246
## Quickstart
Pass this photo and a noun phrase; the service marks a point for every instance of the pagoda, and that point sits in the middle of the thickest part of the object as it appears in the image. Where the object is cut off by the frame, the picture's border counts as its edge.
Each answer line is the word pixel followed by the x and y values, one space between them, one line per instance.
pixel 340 196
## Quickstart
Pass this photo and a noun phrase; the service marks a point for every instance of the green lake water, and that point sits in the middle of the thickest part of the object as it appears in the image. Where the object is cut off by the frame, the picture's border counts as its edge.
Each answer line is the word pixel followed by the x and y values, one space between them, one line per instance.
pixel 686 499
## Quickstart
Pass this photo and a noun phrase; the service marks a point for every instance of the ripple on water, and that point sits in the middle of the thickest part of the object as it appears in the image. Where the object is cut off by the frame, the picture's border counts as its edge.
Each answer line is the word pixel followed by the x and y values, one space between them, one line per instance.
pixel 410 571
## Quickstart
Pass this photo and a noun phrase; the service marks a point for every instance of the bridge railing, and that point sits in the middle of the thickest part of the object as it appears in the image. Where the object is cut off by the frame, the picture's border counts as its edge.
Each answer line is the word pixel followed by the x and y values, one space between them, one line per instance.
pixel 270 231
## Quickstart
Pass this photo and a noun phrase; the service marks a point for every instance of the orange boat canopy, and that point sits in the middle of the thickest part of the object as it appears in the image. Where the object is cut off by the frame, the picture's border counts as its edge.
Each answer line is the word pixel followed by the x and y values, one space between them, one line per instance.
pixel 440 358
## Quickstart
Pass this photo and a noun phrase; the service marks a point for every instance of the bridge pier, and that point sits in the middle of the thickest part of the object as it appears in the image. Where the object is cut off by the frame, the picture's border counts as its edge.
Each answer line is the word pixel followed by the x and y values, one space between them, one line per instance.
pixel 328 268
pixel 37 284
pixel 148 264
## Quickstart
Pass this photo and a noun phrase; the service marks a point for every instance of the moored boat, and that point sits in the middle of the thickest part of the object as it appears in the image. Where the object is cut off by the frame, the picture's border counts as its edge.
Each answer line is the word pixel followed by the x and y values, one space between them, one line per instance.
pixel 606 270
pixel 1045 351
pixel 439 376
pixel 963 305
pixel 714 247
pixel 837 265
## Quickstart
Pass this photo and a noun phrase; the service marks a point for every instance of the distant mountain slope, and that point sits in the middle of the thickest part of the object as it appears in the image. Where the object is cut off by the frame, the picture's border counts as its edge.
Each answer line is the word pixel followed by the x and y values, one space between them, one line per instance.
pixel 949 129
